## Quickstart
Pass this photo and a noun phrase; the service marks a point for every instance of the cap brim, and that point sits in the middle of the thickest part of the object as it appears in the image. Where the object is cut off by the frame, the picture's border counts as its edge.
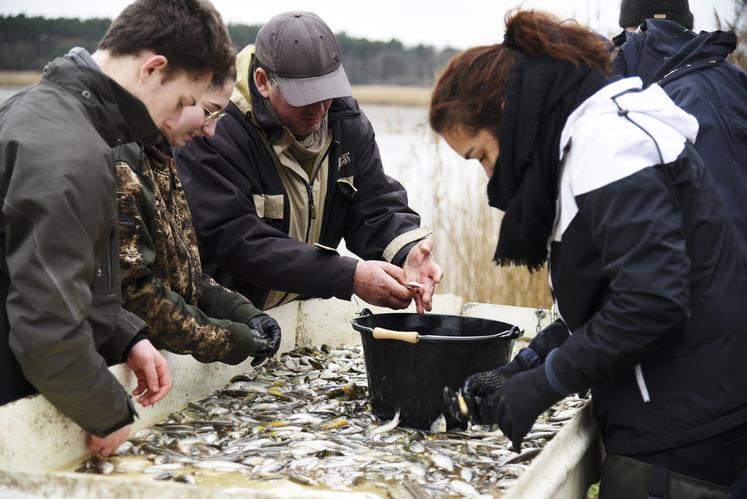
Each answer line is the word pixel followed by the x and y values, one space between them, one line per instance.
pixel 304 91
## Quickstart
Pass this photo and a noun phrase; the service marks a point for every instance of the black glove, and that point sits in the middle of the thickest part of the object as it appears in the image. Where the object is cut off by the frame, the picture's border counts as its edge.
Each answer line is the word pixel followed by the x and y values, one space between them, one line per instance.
pixel 483 384
pixel 267 337
pixel 481 392
pixel 524 360
pixel 518 403
pixel 550 338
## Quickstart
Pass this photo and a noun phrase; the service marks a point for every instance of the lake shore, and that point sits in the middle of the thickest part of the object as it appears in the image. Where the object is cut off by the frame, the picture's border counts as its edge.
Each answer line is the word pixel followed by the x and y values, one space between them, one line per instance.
pixel 366 94
pixel 18 78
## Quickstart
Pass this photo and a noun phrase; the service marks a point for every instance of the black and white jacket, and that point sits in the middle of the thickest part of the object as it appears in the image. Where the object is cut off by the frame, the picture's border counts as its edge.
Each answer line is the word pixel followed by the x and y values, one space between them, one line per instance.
pixel 647 275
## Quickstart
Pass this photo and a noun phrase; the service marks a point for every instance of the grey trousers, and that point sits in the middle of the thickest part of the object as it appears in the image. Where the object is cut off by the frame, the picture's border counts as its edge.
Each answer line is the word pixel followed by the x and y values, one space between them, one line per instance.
pixel 626 478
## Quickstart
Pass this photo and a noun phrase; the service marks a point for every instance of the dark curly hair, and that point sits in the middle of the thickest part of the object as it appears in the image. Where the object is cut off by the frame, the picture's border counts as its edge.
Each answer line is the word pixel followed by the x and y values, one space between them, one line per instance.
pixel 469 91
pixel 189 33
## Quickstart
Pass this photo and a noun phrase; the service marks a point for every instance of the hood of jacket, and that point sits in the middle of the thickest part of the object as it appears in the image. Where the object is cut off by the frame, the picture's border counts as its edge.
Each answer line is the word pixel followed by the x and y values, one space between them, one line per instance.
pixel 248 100
pixel 651 101
pixel 242 96
pixel 661 48
pixel 118 116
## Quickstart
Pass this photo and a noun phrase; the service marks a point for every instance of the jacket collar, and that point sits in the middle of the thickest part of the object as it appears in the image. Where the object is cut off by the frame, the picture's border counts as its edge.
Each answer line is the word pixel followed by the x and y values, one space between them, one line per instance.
pixel 117 115
pixel 241 96
pixel 652 101
pixel 661 47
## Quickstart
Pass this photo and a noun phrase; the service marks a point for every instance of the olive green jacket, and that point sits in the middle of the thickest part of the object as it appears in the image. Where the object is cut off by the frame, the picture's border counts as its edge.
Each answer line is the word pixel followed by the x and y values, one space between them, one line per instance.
pixel 162 279
pixel 58 258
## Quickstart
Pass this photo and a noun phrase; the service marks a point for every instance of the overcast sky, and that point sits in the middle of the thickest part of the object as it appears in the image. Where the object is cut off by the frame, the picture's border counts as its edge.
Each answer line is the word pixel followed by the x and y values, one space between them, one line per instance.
pixel 458 24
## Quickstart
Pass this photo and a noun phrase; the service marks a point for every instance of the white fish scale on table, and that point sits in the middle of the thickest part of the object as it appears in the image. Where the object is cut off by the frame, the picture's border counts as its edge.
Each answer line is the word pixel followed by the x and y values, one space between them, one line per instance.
pixel 305 418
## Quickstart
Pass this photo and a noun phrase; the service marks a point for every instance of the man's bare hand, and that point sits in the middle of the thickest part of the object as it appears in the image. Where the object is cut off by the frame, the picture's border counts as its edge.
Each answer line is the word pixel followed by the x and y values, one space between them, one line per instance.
pixel 420 267
pixel 381 283
pixel 104 446
pixel 152 372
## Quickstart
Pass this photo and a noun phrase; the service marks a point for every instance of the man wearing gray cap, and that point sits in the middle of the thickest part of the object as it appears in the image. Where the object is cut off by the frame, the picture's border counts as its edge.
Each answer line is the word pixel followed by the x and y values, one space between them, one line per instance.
pixel 292 170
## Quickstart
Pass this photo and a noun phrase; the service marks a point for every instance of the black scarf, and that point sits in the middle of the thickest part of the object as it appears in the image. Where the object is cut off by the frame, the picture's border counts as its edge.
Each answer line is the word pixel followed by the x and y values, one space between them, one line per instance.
pixel 540 95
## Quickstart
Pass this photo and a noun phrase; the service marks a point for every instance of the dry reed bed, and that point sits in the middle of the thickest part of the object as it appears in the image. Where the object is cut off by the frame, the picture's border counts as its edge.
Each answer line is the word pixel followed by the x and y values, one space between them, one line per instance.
pixel 465 234
pixel 19 78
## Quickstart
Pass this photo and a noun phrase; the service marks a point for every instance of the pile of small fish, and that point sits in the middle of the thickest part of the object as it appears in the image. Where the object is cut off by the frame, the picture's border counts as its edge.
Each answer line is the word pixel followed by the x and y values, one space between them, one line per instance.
pixel 304 418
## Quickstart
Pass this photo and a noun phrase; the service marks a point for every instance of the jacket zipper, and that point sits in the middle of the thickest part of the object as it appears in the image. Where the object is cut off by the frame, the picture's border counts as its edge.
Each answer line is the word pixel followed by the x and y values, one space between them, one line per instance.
pixel 109 268
pixel 312 206
pixel 683 70
pixel 189 295
pixel 170 206
pixel 312 216
pixel 312 210
pixel 310 194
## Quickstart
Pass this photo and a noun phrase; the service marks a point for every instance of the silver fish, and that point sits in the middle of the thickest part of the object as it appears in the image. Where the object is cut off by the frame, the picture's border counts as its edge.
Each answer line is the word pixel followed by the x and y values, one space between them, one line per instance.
pixel 466 474
pixel 439 424
pixel 305 417
pixel 220 465
pixel 190 479
pixel 160 468
pixel 443 462
pixel 270 466
pixel 388 426
pixel 463 488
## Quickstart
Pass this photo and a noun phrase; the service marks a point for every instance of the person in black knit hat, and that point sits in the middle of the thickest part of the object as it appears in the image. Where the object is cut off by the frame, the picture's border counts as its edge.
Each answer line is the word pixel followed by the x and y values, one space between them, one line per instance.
pixel 634 12
pixel 659 47
pixel 693 70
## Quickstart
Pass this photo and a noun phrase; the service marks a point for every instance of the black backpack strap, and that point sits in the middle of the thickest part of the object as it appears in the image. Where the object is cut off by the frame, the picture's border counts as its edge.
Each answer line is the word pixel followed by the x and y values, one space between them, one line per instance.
pixel 657 488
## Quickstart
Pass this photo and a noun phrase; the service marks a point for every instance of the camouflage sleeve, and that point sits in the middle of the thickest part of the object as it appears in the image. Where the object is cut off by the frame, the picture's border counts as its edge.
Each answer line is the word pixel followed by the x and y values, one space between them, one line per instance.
pixel 221 302
pixel 175 325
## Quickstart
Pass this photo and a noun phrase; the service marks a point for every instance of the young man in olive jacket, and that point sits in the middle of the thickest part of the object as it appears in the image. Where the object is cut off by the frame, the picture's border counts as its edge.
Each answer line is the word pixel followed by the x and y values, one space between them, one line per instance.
pixel 292 170
pixel 62 320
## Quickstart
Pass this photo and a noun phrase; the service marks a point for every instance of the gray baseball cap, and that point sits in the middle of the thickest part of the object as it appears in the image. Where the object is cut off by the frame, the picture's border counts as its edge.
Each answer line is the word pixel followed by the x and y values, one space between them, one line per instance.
pixel 303 55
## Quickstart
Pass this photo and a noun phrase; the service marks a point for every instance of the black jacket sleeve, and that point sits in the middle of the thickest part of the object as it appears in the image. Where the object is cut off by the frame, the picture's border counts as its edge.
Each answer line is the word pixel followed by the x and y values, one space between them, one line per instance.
pixel 380 224
pixel 550 338
pixel 636 227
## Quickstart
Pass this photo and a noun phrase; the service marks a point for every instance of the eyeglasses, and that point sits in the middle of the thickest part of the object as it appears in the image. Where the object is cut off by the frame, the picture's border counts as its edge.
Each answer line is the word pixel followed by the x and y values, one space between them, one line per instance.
pixel 211 116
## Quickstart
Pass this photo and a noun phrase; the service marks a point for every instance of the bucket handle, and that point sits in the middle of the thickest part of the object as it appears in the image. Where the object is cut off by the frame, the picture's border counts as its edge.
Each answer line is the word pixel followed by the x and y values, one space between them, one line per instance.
pixel 364 313
pixel 387 334
pixel 512 333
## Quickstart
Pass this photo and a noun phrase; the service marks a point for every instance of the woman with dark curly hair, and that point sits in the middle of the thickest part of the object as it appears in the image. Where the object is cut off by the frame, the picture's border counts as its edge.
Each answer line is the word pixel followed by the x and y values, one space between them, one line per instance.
pixel 598 177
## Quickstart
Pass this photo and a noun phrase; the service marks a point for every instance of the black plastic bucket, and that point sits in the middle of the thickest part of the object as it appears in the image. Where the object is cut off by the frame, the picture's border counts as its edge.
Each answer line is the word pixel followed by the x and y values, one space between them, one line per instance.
pixel 410 376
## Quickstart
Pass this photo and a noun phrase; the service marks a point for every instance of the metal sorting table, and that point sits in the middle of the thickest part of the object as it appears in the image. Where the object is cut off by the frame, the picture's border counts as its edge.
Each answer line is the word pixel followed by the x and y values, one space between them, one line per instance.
pixel 39 441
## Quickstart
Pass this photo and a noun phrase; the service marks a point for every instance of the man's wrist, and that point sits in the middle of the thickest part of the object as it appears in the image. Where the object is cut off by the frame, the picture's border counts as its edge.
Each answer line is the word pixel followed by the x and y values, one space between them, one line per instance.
pixel 140 336
pixel 401 255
